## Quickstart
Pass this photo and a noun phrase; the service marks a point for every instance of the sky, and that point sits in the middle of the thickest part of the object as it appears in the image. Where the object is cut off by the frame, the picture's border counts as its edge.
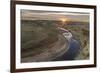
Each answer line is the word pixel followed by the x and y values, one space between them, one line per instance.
pixel 54 15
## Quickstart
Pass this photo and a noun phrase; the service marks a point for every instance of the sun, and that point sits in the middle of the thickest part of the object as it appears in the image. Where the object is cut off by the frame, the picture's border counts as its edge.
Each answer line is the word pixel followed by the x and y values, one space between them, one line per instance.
pixel 63 20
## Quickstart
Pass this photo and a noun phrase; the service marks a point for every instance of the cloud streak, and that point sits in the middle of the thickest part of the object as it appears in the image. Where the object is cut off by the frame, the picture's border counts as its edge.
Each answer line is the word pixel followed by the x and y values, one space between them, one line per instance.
pixel 53 15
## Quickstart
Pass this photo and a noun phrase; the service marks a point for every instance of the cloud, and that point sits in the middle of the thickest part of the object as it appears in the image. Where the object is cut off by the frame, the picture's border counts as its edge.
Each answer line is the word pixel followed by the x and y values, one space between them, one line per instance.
pixel 53 15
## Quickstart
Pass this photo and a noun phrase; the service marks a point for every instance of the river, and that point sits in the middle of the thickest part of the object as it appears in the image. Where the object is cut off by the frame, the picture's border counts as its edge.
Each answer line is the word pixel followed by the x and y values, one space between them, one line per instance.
pixel 73 51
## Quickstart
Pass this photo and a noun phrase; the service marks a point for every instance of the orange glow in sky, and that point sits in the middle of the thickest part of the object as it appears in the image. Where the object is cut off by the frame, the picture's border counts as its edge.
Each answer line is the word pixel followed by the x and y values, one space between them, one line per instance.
pixel 64 19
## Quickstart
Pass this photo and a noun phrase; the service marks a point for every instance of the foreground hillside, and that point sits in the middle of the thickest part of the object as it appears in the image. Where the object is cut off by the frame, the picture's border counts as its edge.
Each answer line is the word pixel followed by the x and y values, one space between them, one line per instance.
pixel 37 34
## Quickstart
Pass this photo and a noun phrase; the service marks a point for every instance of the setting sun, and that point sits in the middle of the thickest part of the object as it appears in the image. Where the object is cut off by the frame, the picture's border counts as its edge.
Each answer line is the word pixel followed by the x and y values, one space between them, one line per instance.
pixel 63 19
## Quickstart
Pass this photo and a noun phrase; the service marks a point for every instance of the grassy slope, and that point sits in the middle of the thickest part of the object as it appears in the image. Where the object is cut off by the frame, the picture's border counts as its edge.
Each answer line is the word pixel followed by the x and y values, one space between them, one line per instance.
pixel 37 35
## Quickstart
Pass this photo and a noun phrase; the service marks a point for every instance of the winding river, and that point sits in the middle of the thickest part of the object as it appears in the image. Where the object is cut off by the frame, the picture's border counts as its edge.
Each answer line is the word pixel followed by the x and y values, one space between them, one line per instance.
pixel 73 51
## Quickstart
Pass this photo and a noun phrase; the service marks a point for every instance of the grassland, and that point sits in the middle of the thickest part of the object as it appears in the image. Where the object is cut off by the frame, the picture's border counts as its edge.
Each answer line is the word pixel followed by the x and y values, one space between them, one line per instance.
pixel 36 35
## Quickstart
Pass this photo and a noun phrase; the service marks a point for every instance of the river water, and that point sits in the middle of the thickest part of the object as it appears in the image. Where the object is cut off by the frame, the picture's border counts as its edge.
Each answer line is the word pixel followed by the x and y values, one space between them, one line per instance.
pixel 72 52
